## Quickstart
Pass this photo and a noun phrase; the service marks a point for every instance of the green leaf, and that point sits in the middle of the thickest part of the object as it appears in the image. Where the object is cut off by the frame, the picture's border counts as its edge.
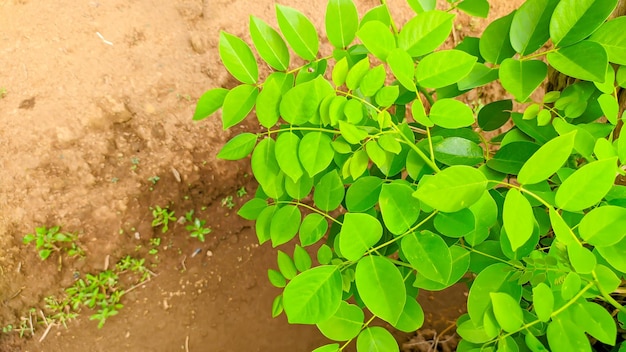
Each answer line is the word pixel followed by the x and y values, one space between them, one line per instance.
pixel 495 45
pixel 313 296
pixel 458 151
pixel 419 114
pixel 301 189
pixel 562 231
pixel 276 278
pixel 237 104
pixel 265 168
pixel 547 160
pixel 277 306
pixel 328 348
pixel 455 225
pixel 478 8
pixel 342 22
pixel 363 194
pixel 412 317
pixel 377 13
pixel 402 66
pixel 301 259
pixel 389 143
pixel 451 113
pixel 610 107
pixel 287 155
pixel 570 286
pixel 586 60
pixel 381 287
pixel 340 72
pixel 603 226
pixel 315 152
pixel 543 301
pixel 429 254
pixel 614 255
pixel 377 38
pixel 269 44
pixel 329 192
pixel 286 266
pixel 565 335
pixel 494 278
pixel 268 101
pixel 494 115
pixel 373 80
pixel 582 260
pixel 299 32
pixel 510 158
pixel 358 234
pixel 530 26
pixel 421 6
pixel 399 208
pixel 452 189
pixel 612 38
pixel 518 218
pixel 507 311
pixel 443 68
pixel 376 339
pixel 521 78
pixel 356 73
pixel 425 33
pixel 587 186
pixel 596 321
pixel 209 102
pixel 351 133
pixel 387 96
pixel 478 76
pixel 574 20
pixel 312 229
pixel 238 58
pixel 301 103
pixel 324 254
pixel 285 224
pixel 252 208
pixel 238 147
pixel 460 264
pixel 263 222
pixel 346 324
pixel 620 76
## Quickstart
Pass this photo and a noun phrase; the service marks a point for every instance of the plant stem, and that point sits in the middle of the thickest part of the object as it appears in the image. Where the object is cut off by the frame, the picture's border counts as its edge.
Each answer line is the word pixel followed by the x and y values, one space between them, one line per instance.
pixel 317 129
pixel 607 297
pixel 429 97
pixel 311 209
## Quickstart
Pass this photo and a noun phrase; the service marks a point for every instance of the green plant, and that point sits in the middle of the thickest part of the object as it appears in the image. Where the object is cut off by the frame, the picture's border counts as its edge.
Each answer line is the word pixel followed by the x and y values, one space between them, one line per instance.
pixel 241 192
pixel 162 217
pixel 409 189
pixel 196 229
pixel 3 92
pixel 154 179
pixel 49 240
pixel 228 202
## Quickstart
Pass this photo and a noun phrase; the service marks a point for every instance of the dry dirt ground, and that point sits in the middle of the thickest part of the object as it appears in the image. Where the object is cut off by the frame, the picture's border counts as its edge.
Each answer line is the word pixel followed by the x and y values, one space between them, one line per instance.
pixel 97 99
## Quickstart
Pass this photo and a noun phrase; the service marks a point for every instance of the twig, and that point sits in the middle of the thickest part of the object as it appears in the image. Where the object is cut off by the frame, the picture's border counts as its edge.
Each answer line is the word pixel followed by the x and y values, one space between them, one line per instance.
pixel 30 322
pixel 45 320
pixel 187 344
pixel 104 40
pixel 134 287
pixel 45 333
pixel 183 263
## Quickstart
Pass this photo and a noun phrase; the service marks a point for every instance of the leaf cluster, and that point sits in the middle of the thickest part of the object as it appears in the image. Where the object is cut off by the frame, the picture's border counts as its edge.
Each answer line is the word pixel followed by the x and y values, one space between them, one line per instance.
pixel 369 154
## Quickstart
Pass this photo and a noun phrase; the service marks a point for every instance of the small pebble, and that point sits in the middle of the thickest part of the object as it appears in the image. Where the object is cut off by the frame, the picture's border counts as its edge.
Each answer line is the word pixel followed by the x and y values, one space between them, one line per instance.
pixel 209 253
pixel 137 236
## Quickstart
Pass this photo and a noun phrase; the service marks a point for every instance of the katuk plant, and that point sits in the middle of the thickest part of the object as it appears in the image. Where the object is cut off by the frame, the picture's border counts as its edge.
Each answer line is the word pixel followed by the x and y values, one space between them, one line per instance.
pixel 369 151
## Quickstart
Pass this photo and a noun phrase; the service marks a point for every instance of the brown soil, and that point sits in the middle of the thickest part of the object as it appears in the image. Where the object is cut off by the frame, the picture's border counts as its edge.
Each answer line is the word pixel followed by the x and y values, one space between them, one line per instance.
pixel 99 98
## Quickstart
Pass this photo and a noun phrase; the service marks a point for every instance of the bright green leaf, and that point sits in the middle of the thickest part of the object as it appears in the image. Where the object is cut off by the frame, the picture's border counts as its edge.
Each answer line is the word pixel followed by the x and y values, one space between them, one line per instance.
pixel 399 208
pixel 312 229
pixel 547 160
pixel 587 186
pixel 238 58
pixel 342 22
pixel 443 68
pixel 451 113
pixel 237 104
pixel 344 325
pixel 425 33
pixel 268 101
pixel 285 224
pixel 286 266
pixel 530 26
pixel 377 38
pixel 381 287
pixel 313 296
pixel 209 102
pixel 429 254
pixel 521 78
pixel 478 8
pixel 299 32
pixel 452 189
pixel 603 226
pixel 612 38
pixel 507 311
pixel 287 155
pixel 363 194
pixel 596 321
pixel 238 147
pixel 495 45
pixel 269 44
pixel 376 339
pixel 358 234
pixel 574 20
pixel 565 335
pixel 543 301
pixel 329 192
pixel 518 218
pixel 586 60
pixel 315 152
pixel 402 66
pixel 458 151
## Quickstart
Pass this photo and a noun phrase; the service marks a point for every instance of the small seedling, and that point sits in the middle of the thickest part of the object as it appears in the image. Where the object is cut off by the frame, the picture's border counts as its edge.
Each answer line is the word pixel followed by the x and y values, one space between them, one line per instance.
pixel 49 240
pixel 135 161
pixel 228 202
pixel 196 229
pixel 154 179
pixel 162 217
pixel 241 192
pixel 114 179
pixel 3 92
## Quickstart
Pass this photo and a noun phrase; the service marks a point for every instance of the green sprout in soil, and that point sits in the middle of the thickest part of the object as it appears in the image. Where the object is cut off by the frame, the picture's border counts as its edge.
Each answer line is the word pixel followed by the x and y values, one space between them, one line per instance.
pixel 154 179
pixel 241 192
pixel 228 202
pixel 196 229
pixel 162 217
pixel 135 161
pixel 3 92
pixel 50 240
pixel 155 243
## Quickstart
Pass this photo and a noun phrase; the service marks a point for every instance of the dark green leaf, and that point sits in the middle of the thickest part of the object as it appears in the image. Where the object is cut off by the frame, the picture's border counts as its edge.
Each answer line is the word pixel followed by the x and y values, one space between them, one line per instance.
pixel 313 296
pixel 510 158
pixel 574 20
pixel 425 33
pixel 443 68
pixel 495 45
pixel 209 102
pixel 237 104
pixel 521 78
pixel 299 32
pixel 238 58
pixel 494 115
pixel 238 147
pixel 381 287
pixel 586 60
pixel 269 44
pixel 342 22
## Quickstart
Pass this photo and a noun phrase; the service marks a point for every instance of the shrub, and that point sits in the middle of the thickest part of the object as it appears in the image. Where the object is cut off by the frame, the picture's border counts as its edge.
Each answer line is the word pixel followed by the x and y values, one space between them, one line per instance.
pixel 408 188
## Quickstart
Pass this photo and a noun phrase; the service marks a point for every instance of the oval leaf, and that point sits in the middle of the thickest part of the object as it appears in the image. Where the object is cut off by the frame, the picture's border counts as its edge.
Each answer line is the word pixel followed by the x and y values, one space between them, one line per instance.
pixel 342 22
pixel 452 114
pixel 425 33
pixel 518 218
pixel 574 20
pixel 209 102
pixel 429 254
pixel 269 44
pixel 587 186
pixel 521 78
pixel 238 58
pixel 586 60
pixel 443 68
pixel 313 296
pixel 547 160
pixel 399 208
pixel 453 189
pixel 299 32
pixel 381 287
pixel 238 147
pixel 358 234
pixel 238 103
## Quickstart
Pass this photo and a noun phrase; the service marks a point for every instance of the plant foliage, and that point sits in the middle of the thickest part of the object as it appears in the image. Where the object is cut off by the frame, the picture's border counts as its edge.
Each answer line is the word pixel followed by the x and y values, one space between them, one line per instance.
pixel 369 152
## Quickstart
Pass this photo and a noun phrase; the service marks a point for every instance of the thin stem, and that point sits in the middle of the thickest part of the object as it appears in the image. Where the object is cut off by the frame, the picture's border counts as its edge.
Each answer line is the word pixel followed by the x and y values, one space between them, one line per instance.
pixel 471 249
pixel 429 97
pixel 430 145
pixel 411 230
pixel 308 63
pixel 529 57
pixel 311 209
pixel 350 95
pixel 291 128
pixel 419 152
pixel 607 297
